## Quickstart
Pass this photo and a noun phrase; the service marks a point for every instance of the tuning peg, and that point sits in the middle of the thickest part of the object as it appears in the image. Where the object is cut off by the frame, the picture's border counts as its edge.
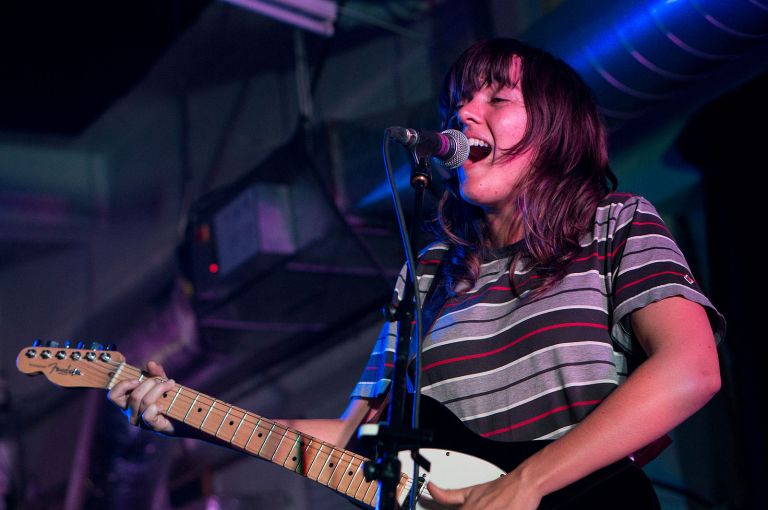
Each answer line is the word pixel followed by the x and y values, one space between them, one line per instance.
pixel 52 343
pixel 110 347
pixel 80 345
pixel 67 344
pixel 95 346
pixel 37 343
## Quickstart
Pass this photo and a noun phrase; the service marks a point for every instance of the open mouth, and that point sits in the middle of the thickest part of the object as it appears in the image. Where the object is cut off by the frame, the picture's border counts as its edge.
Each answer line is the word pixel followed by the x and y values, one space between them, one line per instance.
pixel 478 152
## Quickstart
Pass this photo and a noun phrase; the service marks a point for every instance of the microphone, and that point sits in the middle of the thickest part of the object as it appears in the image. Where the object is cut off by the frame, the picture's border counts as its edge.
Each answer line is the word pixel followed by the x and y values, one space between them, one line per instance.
pixel 451 146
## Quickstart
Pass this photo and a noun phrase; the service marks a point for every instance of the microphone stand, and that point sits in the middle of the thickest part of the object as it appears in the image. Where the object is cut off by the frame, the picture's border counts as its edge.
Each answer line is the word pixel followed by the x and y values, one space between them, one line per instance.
pixel 397 435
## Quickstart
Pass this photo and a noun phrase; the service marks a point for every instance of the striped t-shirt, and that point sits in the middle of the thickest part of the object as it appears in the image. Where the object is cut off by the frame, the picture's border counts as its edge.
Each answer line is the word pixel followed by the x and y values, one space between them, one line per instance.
pixel 517 368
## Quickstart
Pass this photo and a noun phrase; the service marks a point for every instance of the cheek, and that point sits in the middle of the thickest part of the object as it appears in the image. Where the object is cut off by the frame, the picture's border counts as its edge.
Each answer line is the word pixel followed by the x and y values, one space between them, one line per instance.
pixel 514 131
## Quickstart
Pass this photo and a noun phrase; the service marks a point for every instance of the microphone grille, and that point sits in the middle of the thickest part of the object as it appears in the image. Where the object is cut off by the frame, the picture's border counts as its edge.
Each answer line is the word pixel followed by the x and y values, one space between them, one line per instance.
pixel 462 148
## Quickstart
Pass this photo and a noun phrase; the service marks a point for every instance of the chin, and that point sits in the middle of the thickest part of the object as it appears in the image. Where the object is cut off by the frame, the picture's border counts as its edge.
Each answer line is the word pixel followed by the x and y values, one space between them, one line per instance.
pixel 467 196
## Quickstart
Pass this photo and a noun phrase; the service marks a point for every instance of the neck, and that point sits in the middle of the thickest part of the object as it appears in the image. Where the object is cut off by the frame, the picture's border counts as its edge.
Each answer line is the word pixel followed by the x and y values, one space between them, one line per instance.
pixel 505 227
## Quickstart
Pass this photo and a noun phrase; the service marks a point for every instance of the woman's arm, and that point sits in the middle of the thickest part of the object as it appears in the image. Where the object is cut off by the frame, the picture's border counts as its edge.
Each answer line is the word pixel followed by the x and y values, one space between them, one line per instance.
pixel 680 375
pixel 339 431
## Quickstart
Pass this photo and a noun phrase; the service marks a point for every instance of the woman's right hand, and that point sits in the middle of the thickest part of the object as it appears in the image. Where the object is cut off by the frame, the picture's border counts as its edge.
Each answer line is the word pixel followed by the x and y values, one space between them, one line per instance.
pixel 138 399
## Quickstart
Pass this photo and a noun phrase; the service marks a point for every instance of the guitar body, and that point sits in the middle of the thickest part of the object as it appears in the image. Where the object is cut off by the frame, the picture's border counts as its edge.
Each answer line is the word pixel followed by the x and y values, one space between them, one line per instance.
pixel 450 470
pixel 460 458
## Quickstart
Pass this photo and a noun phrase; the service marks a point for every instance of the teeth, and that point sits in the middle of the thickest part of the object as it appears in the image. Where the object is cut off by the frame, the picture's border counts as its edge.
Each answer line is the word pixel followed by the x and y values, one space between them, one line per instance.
pixel 474 142
pixel 478 152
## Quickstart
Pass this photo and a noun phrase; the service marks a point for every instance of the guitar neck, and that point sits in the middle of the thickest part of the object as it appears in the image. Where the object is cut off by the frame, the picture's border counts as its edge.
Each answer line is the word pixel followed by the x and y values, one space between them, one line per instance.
pixel 336 468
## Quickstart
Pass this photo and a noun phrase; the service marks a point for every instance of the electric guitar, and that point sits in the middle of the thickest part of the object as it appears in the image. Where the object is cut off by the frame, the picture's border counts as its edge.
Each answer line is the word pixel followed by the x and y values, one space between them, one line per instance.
pixel 458 457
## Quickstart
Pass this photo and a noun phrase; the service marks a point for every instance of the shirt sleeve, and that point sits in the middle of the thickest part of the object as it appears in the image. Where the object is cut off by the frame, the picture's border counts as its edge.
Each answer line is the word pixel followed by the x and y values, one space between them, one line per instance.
pixel 377 374
pixel 646 265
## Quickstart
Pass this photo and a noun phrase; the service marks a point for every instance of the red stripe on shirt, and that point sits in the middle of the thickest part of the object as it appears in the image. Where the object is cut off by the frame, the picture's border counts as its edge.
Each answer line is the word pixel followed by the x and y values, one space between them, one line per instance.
pixel 516 341
pixel 539 417
pixel 650 223
pixel 532 277
pixel 601 257
pixel 630 284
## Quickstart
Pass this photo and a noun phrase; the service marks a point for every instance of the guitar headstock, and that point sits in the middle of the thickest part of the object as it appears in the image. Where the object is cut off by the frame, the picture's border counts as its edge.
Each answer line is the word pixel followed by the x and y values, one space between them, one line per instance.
pixel 91 366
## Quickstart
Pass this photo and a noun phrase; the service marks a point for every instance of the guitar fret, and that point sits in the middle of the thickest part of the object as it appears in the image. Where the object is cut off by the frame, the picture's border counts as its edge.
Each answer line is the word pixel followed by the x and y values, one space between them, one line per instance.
pixel 286 446
pixel 279 443
pixel 346 476
pixel 320 476
pixel 310 446
pixel 334 466
pixel 374 496
pixel 356 482
pixel 190 407
pixel 268 444
pixel 298 454
pixel 244 432
pixel 205 418
pixel 174 400
pixel 366 498
pixel 256 441
pixel 314 475
pixel 197 419
pixel 364 484
pixel 229 424
pixel 250 436
pixel 332 462
pixel 341 470
pixel 294 452
pixel 226 415
pixel 232 439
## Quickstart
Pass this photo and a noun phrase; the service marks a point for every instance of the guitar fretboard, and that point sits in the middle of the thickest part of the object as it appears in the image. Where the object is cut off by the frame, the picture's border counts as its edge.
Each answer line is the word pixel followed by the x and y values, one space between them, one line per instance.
pixel 334 467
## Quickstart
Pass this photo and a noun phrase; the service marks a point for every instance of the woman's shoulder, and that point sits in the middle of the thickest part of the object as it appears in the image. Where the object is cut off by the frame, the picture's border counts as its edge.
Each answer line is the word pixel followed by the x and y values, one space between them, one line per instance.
pixel 620 213
pixel 623 199
pixel 620 204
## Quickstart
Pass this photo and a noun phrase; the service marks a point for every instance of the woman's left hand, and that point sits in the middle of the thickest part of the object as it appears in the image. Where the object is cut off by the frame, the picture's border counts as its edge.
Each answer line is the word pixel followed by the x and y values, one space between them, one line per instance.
pixel 505 493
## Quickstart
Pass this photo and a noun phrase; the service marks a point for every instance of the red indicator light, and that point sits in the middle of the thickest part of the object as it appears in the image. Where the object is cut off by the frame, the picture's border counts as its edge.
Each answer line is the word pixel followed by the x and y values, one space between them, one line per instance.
pixel 213 268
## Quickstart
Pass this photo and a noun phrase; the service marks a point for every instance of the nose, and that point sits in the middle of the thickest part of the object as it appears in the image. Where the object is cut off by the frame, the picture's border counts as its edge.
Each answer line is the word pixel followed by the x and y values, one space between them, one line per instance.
pixel 468 113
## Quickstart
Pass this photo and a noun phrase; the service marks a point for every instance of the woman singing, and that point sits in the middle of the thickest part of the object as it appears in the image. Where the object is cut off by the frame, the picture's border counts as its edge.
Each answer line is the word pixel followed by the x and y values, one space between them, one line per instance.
pixel 563 310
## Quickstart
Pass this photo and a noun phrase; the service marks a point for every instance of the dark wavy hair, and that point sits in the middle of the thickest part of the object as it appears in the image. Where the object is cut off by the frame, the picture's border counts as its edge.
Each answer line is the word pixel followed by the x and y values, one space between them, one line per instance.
pixel 557 197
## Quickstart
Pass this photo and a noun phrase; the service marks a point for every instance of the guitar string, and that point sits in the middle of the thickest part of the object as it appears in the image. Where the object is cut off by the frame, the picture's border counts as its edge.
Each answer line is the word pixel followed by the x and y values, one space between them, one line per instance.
pixel 241 416
pixel 336 453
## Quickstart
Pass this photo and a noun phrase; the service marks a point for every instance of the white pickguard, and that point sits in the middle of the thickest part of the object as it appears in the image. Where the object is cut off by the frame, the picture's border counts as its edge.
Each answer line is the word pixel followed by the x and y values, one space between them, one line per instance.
pixel 449 470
